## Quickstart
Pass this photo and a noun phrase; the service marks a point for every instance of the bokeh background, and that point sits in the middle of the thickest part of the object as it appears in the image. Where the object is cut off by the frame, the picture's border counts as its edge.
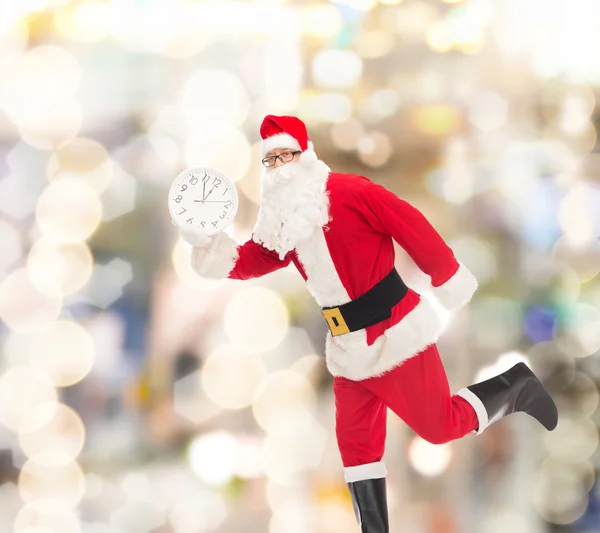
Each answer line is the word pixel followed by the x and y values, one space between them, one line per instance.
pixel 136 397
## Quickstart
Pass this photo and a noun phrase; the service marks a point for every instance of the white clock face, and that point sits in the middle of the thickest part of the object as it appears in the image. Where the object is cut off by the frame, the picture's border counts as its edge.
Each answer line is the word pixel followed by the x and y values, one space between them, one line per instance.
pixel 203 199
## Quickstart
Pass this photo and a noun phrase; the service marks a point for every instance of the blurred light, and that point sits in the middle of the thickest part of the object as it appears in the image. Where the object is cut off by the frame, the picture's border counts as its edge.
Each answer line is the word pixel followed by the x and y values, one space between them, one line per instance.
pixel 346 135
pixel 182 264
pixel 410 21
pixel 497 322
pixel 539 323
pixel 359 5
pixel 435 119
pixel 82 159
pixel 219 147
pixel 87 21
pixel 382 103
pixel 284 399
pixel 213 456
pixel 502 364
pixel 332 107
pixel 374 149
pixel 35 83
pixel 428 459
pixel 321 20
pixel 68 211
pixel 579 397
pixel 390 2
pixel 62 484
pixel 22 306
pixel 200 511
pixel 503 520
pixel 64 352
pixel 583 324
pixel 479 255
pixel 573 439
pixel 582 257
pixel 107 283
pixel 51 127
pixel 576 214
pixel 256 319
pixel 291 517
pixel 228 388
pixel 48 514
pixel 217 97
pixel 250 184
pixel 10 246
pixel 561 492
pixel 190 402
pixel 488 111
pixel 374 43
pixel 336 69
pixel 55 439
pixel 59 269
pixel 438 38
pixel 293 449
pixel 22 390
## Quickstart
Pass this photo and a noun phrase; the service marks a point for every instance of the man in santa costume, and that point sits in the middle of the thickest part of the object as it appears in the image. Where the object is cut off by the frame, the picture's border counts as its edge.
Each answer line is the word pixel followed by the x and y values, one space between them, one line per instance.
pixel 339 232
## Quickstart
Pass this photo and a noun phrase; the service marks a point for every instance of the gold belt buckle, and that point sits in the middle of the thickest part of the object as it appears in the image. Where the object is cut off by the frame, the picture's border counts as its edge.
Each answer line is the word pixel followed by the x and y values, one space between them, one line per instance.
pixel 336 321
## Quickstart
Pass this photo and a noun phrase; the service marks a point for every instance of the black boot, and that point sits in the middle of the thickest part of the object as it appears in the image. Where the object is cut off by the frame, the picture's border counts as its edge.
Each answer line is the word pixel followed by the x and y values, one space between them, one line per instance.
pixel 517 389
pixel 369 500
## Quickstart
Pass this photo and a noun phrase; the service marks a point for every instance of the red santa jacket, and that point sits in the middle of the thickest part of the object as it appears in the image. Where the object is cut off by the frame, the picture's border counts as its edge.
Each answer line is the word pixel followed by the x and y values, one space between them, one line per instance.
pixel 346 258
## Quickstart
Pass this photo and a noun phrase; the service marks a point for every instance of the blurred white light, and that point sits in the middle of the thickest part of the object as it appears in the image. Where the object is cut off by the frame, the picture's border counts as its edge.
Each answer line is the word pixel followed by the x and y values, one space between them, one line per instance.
pixel 46 515
pixel 10 246
pixel 200 511
pixel 503 520
pixel 22 306
pixel 182 264
pixel 22 390
pixel 68 211
pixel 584 326
pixel 383 103
pixel 54 441
pixel 283 399
pixel 332 107
pixel 488 111
pixel 321 20
pixel 229 388
pixel 59 269
pixel 64 352
pixel 374 43
pixel 256 319
pixel 428 459
pixel 83 159
pixel 336 69
pixel 107 283
pixel 572 439
pixel 213 457
pixel 293 516
pixel 359 5
pixel 479 255
pixel 502 364
pixel 217 97
pixel 575 214
pixel 374 149
pixel 64 484
pixel 87 21
pixel 347 135
pixel 217 146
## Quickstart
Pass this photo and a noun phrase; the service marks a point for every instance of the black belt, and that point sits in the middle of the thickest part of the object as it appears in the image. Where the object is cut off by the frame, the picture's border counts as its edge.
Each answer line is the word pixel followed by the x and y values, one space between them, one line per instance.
pixel 370 308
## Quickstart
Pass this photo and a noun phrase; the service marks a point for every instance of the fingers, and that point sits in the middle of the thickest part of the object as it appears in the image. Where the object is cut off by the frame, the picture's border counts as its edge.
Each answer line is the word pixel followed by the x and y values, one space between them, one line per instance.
pixel 196 239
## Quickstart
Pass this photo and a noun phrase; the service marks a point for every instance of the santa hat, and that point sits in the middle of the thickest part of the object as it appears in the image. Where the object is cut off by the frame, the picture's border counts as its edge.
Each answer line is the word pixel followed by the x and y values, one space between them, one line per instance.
pixel 286 132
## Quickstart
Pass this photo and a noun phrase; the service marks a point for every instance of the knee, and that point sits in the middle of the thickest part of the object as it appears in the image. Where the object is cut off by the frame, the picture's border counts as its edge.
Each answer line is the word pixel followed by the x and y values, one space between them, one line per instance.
pixel 435 435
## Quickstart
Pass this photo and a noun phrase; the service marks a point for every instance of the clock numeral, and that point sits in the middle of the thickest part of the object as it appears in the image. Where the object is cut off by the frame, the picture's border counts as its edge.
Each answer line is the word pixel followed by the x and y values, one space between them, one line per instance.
pixel 184 210
pixel 228 203
pixel 215 223
pixel 183 187
pixel 193 180
pixel 179 198
pixel 205 178
pixel 225 191
pixel 223 215
pixel 202 224
pixel 190 220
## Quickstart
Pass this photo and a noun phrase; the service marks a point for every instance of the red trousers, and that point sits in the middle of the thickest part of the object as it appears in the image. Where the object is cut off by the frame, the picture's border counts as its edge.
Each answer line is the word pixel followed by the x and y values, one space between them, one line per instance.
pixel 417 391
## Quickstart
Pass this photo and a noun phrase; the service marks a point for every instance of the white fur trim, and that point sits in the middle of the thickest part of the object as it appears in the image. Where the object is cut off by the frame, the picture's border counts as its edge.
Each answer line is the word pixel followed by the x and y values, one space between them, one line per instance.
pixel 308 157
pixel 281 140
pixel 350 356
pixel 217 260
pixel 366 471
pixel 480 410
pixel 458 290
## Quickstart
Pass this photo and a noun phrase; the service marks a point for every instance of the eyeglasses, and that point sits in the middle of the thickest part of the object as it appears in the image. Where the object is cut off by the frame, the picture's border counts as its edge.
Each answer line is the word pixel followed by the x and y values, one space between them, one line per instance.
pixel 285 157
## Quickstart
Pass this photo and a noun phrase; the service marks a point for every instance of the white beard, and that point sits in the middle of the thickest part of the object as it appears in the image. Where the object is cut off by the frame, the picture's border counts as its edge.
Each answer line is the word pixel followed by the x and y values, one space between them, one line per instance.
pixel 293 204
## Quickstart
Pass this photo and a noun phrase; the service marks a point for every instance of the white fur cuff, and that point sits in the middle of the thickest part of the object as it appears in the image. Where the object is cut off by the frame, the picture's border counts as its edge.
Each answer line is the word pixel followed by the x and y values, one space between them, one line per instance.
pixel 458 290
pixel 217 260
pixel 367 471
pixel 479 408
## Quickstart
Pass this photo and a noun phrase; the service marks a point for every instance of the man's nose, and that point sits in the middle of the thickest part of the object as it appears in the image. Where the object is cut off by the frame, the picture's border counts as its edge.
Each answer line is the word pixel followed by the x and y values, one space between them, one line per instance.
pixel 278 162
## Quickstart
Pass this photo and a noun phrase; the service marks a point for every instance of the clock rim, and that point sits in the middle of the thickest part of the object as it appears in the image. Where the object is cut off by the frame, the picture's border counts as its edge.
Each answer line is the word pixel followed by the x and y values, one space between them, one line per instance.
pixel 201 169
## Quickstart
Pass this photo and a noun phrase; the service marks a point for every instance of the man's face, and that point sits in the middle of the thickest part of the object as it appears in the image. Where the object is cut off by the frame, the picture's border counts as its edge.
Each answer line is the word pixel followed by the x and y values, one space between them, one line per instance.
pixel 286 153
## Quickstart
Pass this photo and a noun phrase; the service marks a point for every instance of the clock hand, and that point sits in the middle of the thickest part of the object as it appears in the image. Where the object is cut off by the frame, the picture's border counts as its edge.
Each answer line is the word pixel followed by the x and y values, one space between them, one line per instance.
pixel 203 187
